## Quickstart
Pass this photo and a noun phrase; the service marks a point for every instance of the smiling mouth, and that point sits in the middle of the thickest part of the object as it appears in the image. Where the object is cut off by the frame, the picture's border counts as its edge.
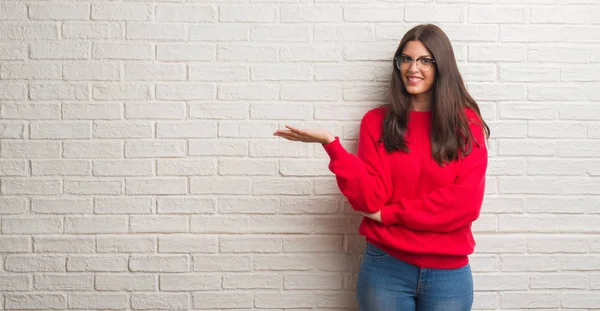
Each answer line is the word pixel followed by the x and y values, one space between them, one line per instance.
pixel 414 80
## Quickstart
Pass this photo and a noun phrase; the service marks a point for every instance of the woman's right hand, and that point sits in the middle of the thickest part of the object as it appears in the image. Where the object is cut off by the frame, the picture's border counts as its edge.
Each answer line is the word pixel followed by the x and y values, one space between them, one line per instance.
pixel 307 136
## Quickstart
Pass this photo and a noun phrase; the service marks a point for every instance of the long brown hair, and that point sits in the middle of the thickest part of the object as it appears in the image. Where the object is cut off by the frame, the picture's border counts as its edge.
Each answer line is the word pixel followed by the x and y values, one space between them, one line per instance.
pixel 449 126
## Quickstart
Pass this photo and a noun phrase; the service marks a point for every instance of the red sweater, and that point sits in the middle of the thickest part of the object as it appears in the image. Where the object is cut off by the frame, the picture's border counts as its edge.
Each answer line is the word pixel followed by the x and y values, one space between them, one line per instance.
pixel 427 210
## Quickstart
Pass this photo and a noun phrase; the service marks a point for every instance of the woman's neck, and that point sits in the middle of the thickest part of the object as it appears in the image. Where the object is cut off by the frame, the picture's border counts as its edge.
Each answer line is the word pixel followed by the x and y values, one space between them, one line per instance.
pixel 421 102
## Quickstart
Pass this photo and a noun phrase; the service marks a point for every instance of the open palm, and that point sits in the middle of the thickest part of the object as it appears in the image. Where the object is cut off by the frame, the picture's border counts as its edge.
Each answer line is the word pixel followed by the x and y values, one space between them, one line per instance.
pixel 305 135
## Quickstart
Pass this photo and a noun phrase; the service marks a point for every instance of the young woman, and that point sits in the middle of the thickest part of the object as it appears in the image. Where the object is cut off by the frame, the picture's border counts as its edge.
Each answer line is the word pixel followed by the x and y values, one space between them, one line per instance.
pixel 418 178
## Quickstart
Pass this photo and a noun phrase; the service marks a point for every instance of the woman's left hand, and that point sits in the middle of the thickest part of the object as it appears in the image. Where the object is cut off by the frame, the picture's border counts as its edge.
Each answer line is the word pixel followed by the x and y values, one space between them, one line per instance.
pixel 375 216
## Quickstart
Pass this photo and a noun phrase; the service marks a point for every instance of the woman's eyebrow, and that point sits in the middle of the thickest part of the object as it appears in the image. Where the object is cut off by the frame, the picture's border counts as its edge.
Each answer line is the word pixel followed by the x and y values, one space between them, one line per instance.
pixel 414 57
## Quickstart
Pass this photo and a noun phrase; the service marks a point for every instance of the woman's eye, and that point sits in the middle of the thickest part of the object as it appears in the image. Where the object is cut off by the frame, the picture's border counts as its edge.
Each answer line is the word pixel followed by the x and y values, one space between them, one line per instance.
pixel 426 61
pixel 406 59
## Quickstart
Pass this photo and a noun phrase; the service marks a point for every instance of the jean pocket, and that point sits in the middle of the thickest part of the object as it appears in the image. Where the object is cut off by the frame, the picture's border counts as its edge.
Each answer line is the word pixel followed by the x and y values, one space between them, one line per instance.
pixel 374 252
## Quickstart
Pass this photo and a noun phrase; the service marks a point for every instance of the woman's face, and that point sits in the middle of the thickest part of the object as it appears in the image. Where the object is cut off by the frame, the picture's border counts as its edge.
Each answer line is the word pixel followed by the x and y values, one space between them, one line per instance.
pixel 417 70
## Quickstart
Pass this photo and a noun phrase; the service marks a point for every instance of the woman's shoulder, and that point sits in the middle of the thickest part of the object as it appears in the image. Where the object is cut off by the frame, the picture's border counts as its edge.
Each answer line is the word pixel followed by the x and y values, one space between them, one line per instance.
pixel 376 114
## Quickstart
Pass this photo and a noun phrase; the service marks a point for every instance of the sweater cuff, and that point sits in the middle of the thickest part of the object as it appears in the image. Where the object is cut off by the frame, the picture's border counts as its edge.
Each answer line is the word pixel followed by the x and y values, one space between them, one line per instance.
pixel 334 149
pixel 387 217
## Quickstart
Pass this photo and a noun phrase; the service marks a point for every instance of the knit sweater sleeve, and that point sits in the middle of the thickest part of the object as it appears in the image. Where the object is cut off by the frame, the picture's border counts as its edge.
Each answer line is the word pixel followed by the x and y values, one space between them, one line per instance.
pixel 360 177
pixel 451 207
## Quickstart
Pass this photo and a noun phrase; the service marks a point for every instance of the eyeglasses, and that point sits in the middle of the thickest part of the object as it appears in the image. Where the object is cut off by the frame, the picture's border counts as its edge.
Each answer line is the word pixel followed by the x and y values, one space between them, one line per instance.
pixel 404 62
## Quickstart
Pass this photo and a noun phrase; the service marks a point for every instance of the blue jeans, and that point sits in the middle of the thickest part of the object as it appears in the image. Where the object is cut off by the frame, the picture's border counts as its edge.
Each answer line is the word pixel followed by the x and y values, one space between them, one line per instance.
pixel 389 284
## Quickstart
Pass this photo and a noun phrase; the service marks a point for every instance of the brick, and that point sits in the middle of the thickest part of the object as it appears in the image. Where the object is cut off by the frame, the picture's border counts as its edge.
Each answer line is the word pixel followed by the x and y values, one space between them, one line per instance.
pixel 13 11
pixel 555 244
pixel 280 33
pixel 35 301
pixel 39 70
pixel 190 282
pixel 61 206
pixel 187 129
pixel 219 224
pixel 208 185
pixel 181 243
pixel 173 185
pixel 283 111
pixel 123 129
pixel 336 33
pixel 14 168
pixel 57 11
pixel 185 91
pixel 12 130
pixel 64 244
pixel 250 244
pixel 169 301
pixel 121 11
pixel 92 149
pixel 61 50
pixel 59 91
pixel 248 92
pixel 96 71
pixel 374 14
pixel 207 147
pixel 95 224
pixel 155 110
pixel 13 51
pixel 98 301
pixel 222 300
pixel 125 282
pixel 93 186
pixel 248 205
pixel 497 52
pixel 97 263
pixel 29 31
pixel 92 30
pixel 123 51
pixel 490 15
pixel 529 33
pixel 93 111
pixel 221 263
pixel 180 167
pixel 529 300
pixel 16 282
pixel 150 72
pixel 247 167
pixel 312 92
pixel 15 244
pixel 313 244
pixel 284 300
pixel 310 14
pixel 60 167
pixel 185 13
pixel 124 244
pixel 220 32
pixel 156 31
pixel 13 205
pixel 62 130
pixel 258 14
pixel 308 205
pixel 185 205
pixel 123 168
pixel 12 91
pixel 528 74
pixel 42 186
pixel 574 15
pixel 154 148
pixel 128 91
pixel 185 52
pixel 253 281
pixel 310 53
pixel 123 205
pixel 159 263
pixel 158 224
pixel 35 263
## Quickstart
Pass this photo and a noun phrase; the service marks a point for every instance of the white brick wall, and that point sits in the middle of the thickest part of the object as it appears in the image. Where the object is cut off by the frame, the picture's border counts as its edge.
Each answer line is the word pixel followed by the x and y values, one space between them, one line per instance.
pixel 138 170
